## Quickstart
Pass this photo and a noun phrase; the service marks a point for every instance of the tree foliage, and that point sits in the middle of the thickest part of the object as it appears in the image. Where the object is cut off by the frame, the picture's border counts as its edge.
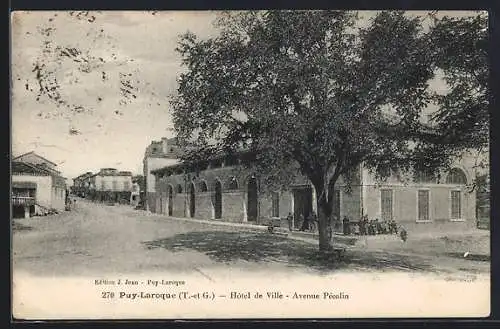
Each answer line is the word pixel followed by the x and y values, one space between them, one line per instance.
pixel 458 47
pixel 312 91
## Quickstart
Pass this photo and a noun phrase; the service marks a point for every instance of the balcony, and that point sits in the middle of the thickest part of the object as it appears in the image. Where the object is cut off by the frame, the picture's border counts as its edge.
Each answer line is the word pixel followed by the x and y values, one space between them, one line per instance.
pixel 23 200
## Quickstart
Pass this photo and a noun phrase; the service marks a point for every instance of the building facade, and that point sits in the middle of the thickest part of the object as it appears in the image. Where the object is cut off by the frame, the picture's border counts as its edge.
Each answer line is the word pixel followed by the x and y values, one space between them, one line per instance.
pixel 37 186
pixel 109 184
pixel 157 155
pixel 225 191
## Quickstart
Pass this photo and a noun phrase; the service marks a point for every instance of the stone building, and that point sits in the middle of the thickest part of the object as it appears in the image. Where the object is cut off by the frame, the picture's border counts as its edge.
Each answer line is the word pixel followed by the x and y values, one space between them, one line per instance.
pixel 157 155
pixel 222 190
pixel 37 186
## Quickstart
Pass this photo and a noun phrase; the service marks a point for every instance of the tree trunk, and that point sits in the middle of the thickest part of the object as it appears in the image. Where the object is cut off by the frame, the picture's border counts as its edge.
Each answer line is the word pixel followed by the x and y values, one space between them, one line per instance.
pixel 324 221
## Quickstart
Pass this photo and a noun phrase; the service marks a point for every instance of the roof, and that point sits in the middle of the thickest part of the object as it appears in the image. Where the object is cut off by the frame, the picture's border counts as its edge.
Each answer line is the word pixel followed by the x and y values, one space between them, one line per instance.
pixel 218 156
pixel 113 173
pixel 22 167
pixel 33 152
pixel 19 167
pixel 84 175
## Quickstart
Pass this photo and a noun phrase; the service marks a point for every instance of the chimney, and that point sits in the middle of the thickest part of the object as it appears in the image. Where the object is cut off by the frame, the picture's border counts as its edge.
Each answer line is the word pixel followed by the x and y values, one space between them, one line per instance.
pixel 164 145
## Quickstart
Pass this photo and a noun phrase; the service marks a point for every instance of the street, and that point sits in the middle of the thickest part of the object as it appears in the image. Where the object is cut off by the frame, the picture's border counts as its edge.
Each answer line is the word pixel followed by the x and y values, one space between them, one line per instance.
pixel 97 239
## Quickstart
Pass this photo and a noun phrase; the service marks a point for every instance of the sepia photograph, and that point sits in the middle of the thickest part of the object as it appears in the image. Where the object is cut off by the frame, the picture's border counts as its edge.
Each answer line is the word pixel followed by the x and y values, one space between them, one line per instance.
pixel 269 164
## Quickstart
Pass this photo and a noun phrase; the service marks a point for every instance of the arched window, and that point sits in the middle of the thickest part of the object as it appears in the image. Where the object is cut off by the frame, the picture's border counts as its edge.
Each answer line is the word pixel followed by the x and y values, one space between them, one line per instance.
pixel 203 186
pixel 179 188
pixel 232 184
pixel 456 176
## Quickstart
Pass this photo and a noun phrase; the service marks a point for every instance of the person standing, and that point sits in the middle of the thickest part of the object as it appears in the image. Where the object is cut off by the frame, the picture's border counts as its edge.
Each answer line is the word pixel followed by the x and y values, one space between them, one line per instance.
pixel 303 222
pixel 306 224
pixel 362 226
pixel 289 219
pixel 313 222
pixel 345 226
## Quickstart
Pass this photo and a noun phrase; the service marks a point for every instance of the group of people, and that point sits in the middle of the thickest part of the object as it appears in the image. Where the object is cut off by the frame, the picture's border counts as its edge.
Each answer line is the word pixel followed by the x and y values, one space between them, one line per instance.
pixel 370 227
pixel 69 202
pixel 308 223
pixel 363 227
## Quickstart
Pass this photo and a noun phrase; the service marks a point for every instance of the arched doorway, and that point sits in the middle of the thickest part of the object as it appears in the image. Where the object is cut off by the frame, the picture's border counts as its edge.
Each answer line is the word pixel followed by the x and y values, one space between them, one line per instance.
pixel 192 201
pixel 218 199
pixel 170 200
pixel 252 199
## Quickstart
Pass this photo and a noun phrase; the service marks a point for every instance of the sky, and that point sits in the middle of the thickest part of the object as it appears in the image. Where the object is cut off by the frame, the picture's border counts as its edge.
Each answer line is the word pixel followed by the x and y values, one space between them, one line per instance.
pixel 107 78
pixel 97 126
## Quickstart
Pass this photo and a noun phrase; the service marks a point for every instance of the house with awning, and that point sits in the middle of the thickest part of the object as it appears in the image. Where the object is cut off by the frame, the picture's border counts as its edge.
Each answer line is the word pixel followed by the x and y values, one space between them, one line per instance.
pixel 37 188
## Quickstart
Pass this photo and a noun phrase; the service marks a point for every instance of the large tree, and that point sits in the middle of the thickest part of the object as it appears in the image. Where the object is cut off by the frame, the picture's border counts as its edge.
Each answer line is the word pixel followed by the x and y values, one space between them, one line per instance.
pixel 460 50
pixel 319 91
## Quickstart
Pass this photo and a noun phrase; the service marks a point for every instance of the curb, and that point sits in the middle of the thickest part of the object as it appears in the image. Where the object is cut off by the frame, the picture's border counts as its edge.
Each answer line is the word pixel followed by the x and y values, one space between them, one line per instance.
pixel 304 237
pixel 221 223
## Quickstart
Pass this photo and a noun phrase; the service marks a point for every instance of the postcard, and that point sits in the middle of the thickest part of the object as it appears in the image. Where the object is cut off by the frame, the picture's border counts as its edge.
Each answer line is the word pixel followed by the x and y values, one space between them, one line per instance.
pixel 316 164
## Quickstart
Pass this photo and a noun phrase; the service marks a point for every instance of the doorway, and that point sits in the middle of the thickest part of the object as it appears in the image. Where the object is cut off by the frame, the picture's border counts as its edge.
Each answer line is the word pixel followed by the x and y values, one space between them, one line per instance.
pixel 170 200
pixel 218 199
pixel 302 204
pixel 252 199
pixel 192 201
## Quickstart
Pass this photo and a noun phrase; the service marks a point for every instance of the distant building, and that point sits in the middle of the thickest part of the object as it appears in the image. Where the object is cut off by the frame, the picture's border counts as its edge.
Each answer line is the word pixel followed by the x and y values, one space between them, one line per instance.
pixel 37 186
pixel 109 184
pixel 81 184
pixel 158 155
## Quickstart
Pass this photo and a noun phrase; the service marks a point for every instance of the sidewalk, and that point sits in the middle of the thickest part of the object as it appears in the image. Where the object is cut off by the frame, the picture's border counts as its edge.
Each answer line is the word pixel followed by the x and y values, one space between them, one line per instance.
pixel 295 235
pixel 209 221
pixel 374 243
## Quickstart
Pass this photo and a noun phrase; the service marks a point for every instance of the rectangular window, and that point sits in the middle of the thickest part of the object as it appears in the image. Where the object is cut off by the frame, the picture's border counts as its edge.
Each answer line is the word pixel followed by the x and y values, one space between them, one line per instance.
pixel 336 204
pixel 276 204
pixel 423 205
pixel 386 204
pixel 456 205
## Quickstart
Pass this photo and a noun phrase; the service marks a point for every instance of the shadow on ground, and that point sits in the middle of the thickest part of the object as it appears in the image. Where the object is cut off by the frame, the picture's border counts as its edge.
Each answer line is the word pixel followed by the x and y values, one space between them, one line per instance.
pixel 227 247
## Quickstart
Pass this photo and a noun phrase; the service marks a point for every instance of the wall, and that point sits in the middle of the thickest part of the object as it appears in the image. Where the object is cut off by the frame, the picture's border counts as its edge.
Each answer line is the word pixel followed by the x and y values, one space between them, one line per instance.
pixel 350 203
pixel 234 201
pixel 152 163
pixel 58 198
pixel 43 187
pixel 405 205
